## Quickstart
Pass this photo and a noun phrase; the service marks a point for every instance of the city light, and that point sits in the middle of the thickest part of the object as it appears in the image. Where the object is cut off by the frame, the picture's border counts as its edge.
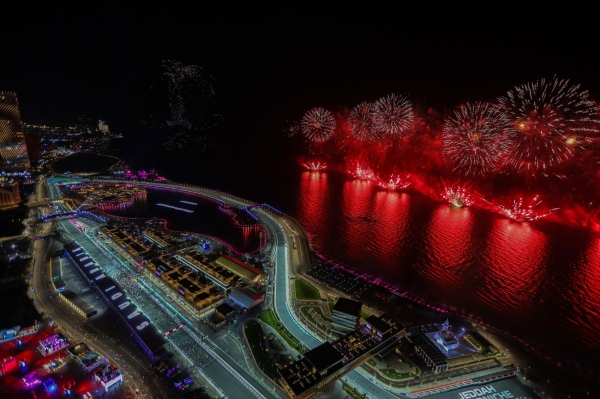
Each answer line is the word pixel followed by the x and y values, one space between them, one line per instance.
pixel 176 208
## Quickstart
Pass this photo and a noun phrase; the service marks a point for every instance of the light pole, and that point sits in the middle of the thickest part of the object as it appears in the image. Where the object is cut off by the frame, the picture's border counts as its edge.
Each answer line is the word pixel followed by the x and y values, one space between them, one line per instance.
pixel 545 385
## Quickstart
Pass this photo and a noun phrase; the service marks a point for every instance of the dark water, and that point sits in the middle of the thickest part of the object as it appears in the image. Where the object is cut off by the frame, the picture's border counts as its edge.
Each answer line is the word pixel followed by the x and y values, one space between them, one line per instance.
pixel 208 218
pixel 84 163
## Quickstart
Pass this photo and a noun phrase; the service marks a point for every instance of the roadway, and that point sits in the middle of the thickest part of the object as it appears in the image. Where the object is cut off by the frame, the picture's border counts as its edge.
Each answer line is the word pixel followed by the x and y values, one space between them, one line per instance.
pixel 281 291
pixel 281 234
pixel 73 324
pixel 281 302
pixel 225 379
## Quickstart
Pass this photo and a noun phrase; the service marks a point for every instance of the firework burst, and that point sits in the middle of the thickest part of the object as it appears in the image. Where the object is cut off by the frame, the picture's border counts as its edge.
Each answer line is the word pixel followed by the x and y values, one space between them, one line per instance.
pixel 393 182
pixel 392 115
pixel 476 138
pixel 292 129
pixel 457 196
pixel 318 125
pixel 521 212
pixel 361 121
pixel 361 171
pixel 315 166
pixel 550 118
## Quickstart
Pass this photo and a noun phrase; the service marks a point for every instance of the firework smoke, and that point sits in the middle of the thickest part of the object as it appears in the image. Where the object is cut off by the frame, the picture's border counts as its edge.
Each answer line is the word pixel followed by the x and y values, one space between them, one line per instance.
pixel 542 136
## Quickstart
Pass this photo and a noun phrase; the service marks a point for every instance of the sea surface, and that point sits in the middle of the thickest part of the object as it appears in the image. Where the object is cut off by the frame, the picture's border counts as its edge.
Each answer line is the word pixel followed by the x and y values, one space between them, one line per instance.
pixel 538 282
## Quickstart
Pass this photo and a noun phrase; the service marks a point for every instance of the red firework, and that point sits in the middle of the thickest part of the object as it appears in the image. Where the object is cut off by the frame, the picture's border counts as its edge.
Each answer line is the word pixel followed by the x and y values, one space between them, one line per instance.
pixel 521 212
pixel 457 196
pixel 318 125
pixel 392 115
pixel 393 182
pixel 292 129
pixel 361 121
pixel 476 138
pixel 315 166
pixel 550 119
pixel 361 171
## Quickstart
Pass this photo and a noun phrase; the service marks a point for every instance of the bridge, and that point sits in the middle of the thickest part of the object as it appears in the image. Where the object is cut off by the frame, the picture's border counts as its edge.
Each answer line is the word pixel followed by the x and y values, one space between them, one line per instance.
pixel 59 214
pixel 45 202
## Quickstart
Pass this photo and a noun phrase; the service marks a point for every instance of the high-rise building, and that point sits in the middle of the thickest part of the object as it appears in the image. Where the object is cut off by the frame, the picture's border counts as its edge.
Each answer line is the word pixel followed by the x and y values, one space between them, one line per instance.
pixel 9 192
pixel 13 150
pixel 103 127
pixel 346 316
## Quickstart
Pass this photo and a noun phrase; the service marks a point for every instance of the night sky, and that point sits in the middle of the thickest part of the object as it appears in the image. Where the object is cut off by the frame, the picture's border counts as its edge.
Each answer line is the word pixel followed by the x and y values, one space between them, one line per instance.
pixel 272 65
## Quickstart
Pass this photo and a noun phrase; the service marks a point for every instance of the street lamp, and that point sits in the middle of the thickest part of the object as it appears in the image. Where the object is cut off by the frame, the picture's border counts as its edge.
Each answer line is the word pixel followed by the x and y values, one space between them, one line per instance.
pixel 545 385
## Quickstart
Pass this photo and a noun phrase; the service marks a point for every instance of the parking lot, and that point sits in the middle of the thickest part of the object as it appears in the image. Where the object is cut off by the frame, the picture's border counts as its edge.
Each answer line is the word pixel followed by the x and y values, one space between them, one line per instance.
pixel 504 389
pixel 22 364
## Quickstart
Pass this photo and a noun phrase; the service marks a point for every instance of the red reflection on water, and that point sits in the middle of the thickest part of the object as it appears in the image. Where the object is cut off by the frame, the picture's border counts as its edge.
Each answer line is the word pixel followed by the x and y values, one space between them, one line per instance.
pixel 514 266
pixel 390 232
pixel 357 223
pixel 312 201
pixel 246 232
pixel 449 246
pixel 590 291
pixel 592 281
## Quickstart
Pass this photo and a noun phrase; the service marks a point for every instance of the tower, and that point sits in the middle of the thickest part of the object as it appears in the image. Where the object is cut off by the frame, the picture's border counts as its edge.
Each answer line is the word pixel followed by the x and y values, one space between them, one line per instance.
pixel 103 127
pixel 446 326
pixel 13 151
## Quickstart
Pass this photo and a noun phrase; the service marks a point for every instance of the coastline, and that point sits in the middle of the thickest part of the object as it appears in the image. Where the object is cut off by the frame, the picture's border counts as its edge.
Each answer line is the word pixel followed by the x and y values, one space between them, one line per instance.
pixel 558 374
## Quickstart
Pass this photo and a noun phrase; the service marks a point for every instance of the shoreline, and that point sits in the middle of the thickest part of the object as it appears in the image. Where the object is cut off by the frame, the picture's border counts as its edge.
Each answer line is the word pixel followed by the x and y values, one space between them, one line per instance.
pixel 563 372
pixel 539 357
pixel 576 217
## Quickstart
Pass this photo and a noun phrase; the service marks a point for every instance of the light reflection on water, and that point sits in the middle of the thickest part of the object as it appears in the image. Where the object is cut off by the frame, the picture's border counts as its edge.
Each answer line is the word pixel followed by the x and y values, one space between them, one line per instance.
pixel 540 282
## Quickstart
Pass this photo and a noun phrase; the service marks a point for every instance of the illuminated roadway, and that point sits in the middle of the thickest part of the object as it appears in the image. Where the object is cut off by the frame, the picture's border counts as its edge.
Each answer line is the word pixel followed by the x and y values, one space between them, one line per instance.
pixel 69 320
pixel 226 381
pixel 285 314
pixel 281 303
